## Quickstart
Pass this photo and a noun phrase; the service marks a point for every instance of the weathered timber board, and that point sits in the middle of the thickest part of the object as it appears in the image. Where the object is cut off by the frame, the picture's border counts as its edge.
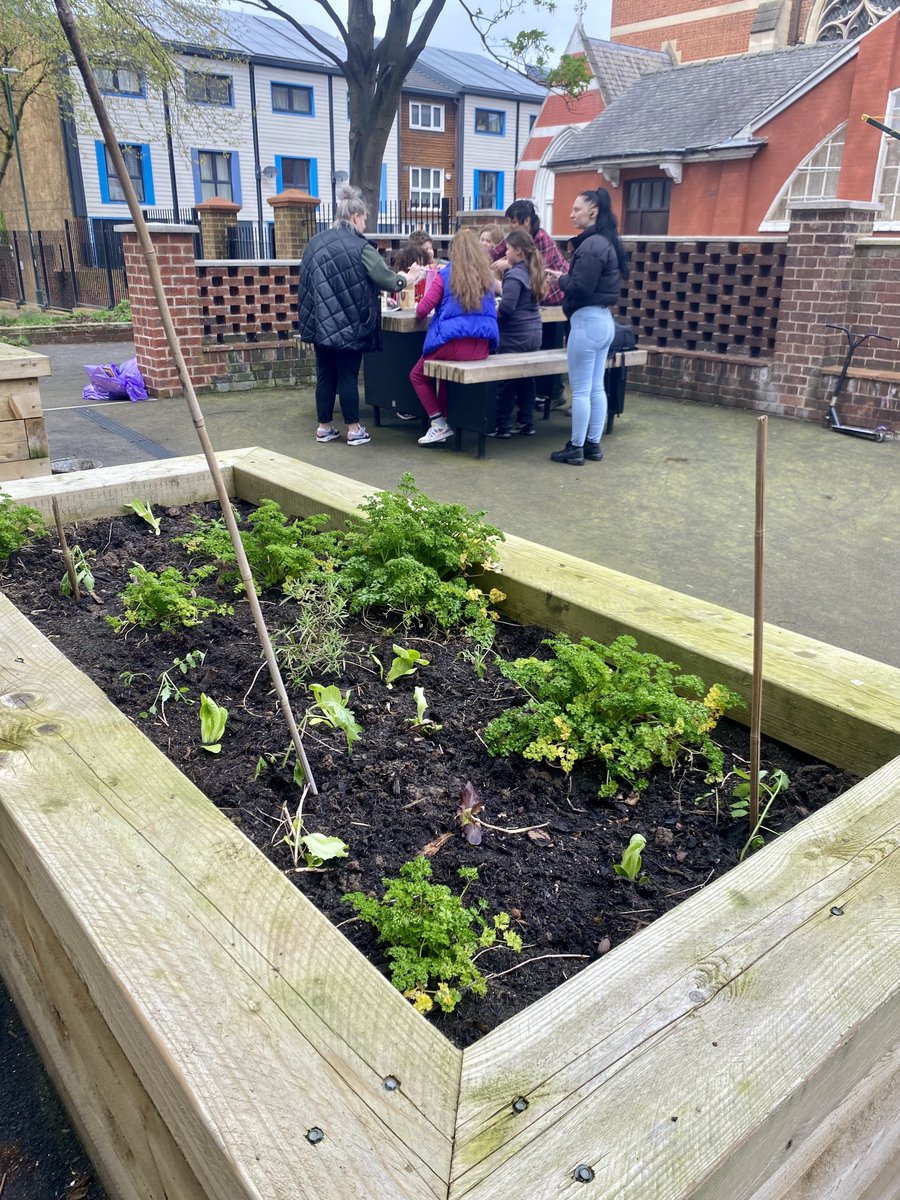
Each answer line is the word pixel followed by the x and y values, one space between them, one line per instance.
pixel 516 366
pixel 19 400
pixel 247 1017
pixel 688 1062
pixel 16 363
pixel 133 1151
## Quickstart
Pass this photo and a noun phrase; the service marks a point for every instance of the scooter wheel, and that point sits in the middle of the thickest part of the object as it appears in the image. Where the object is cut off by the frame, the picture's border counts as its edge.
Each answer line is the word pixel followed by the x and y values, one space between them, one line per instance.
pixel 879 437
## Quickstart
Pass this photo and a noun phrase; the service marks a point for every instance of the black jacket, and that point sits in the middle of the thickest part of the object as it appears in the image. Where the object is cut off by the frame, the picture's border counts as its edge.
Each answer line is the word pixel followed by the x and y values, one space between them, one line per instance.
pixel 593 280
pixel 338 304
pixel 518 313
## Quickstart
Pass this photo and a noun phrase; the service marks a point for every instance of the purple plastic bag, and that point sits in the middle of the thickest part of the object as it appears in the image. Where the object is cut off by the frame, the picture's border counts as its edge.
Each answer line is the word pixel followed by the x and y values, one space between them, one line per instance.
pixel 110 382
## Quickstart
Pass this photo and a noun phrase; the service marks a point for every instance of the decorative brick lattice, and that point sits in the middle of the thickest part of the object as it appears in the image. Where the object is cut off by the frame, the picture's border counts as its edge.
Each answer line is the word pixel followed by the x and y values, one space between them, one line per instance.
pixel 248 302
pixel 721 297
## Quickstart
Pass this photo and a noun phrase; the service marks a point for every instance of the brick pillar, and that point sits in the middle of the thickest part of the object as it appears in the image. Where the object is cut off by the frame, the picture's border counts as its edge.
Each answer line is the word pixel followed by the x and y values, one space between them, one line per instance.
pixel 816 289
pixel 294 213
pixel 174 245
pixel 216 217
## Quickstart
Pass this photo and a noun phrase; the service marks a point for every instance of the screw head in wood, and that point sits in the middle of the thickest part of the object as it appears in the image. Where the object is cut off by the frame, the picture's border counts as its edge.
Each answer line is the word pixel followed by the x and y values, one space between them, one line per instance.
pixel 837 911
pixel 390 1083
pixel 519 1104
pixel 583 1174
pixel 315 1135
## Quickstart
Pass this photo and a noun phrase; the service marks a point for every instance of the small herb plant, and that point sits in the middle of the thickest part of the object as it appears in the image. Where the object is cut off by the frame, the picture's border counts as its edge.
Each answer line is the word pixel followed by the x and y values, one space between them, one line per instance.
pixel 83 573
pixel 315 642
pixel 771 785
pixel 632 862
pixel 404 662
pixel 331 708
pixel 432 937
pixel 277 549
pixel 420 722
pixel 213 719
pixel 165 598
pixel 145 512
pixel 411 555
pixel 614 703
pixel 168 689
pixel 19 526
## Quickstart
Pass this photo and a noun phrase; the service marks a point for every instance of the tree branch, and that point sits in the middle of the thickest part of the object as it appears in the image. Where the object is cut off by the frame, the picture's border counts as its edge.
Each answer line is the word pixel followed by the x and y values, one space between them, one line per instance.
pixel 268 6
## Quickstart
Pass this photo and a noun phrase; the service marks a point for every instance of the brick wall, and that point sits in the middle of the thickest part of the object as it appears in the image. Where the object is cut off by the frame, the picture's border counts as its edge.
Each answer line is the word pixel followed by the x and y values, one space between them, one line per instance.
pixel 707 36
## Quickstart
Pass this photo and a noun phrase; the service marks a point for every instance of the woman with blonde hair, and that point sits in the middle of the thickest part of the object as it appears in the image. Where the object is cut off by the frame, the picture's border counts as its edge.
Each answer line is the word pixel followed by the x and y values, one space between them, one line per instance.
pixel 464 326
pixel 521 329
pixel 489 237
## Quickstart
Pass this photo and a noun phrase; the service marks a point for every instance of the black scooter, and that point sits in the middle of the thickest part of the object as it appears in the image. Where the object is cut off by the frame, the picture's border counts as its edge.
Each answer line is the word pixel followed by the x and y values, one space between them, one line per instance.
pixel 833 420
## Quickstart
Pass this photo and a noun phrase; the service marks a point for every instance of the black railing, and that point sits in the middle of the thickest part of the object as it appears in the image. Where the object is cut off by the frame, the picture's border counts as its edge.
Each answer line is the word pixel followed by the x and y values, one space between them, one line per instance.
pixel 77 266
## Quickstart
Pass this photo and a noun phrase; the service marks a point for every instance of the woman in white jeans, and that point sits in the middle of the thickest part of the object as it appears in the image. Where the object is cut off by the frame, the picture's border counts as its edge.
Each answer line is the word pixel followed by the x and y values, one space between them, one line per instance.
pixel 590 289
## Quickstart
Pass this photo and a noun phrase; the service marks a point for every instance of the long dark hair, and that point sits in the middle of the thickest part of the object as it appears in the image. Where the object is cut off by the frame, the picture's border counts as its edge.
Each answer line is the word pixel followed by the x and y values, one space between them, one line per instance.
pixel 606 225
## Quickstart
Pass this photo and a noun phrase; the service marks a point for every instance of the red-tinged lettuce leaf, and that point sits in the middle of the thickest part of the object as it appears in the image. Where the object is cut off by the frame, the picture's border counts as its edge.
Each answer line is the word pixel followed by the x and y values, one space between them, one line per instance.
pixel 467 811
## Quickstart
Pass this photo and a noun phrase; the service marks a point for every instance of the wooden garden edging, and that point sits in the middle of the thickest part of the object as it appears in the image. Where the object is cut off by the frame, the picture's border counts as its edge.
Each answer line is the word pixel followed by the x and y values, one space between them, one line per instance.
pixel 200 1016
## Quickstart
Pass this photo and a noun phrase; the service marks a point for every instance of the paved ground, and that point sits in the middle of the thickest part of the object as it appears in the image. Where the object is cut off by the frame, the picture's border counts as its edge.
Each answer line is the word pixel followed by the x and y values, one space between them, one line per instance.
pixel 672 502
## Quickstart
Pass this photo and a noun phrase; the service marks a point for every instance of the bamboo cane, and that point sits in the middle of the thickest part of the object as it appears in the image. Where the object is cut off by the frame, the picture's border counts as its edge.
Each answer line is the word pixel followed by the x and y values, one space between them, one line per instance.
pixel 67 21
pixel 64 546
pixel 759 546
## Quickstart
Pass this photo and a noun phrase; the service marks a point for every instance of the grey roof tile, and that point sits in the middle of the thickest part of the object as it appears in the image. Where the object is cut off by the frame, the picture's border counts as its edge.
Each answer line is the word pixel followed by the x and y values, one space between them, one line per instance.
pixel 694 107
pixel 616 67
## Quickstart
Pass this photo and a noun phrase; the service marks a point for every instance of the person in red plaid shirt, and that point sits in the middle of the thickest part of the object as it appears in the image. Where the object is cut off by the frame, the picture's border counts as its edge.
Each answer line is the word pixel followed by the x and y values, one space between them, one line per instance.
pixel 522 214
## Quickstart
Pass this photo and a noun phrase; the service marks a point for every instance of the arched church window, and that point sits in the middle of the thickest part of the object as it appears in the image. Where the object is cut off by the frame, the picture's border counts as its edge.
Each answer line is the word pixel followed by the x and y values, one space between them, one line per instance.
pixel 816 178
pixel 843 20
pixel 887 178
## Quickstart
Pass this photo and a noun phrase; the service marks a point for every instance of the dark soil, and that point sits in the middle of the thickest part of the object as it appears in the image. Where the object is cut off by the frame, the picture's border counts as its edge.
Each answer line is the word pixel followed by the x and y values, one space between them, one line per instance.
pixel 396 795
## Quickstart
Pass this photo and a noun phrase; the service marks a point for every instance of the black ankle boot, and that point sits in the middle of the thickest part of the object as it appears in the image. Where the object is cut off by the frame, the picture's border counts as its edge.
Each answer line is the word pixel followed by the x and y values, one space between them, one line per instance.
pixel 592 451
pixel 573 455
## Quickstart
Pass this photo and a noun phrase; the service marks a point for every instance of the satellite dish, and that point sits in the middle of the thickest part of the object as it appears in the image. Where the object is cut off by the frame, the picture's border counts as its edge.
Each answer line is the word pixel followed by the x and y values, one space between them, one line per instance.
pixel 269 172
pixel 341 176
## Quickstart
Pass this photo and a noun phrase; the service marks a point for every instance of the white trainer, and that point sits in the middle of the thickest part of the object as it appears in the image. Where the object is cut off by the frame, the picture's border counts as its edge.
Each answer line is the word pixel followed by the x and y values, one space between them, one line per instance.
pixel 435 434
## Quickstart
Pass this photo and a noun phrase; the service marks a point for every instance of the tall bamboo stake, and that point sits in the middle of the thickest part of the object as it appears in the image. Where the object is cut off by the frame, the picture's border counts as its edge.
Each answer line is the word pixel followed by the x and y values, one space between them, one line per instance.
pixel 67 21
pixel 64 547
pixel 759 563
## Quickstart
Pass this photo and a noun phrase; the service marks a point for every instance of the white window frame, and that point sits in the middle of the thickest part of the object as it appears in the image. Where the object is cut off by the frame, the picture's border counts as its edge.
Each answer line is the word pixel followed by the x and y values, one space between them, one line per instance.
pixel 434 189
pixel 417 109
pixel 889 159
pixel 803 171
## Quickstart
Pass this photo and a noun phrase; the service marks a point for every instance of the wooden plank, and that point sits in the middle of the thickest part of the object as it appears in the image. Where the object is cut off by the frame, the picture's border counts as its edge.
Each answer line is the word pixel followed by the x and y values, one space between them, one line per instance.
pixel 227 990
pixel 13 441
pixel 517 366
pixel 134 1153
pixel 16 363
pixel 20 399
pixel 690 1061
pixel 26 468
pixel 104 491
pixel 837 705
pixel 36 437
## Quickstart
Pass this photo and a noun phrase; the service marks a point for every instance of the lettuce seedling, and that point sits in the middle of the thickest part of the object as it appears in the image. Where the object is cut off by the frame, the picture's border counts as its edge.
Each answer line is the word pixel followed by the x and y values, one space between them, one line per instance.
pixel 630 866
pixel 334 711
pixel 403 663
pixel 467 811
pixel 420 721
pixel 213 719
pixel 145 512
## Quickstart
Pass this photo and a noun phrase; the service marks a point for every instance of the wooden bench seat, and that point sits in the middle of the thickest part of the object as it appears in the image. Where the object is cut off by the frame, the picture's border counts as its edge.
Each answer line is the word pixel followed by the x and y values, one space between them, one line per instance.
pixel 472 386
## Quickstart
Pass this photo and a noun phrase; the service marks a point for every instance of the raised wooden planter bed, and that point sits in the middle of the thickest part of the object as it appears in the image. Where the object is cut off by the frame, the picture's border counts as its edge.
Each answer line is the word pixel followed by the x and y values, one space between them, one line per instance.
pixel 206 1024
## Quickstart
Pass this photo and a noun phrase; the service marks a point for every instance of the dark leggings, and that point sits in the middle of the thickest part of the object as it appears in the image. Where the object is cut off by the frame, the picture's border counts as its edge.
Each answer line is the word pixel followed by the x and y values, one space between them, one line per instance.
pixel 337 374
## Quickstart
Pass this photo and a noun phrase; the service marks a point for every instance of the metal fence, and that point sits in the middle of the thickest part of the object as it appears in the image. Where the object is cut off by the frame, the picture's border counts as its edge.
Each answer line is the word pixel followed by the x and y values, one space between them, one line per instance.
pixel 78 266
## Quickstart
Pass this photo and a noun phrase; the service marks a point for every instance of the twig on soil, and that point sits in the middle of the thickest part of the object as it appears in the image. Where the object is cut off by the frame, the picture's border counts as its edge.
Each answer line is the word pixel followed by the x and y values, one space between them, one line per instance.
pixel 252 685
pixel 349 921
pixel 413 803
pixel 681 891
pixel 537 958
pixel 569 801
pixel 3 1182
pixel 500 829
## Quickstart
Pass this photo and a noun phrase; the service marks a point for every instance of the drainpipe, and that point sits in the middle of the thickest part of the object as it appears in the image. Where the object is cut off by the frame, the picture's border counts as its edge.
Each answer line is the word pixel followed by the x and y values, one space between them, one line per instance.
pixel 460 147
pixel 331 140
pixel 515 180
pixel 170 154
pixel 257 169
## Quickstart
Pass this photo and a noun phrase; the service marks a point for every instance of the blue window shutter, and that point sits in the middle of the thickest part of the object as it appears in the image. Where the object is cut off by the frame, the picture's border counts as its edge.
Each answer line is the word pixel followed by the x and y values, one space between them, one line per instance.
pixel 279 181
pixel 195 171
pixel 500 203
pixel 382 191
pixel 147 172
pixel 236 177
pixel 314 177
pixel 476 189
pixel 102 172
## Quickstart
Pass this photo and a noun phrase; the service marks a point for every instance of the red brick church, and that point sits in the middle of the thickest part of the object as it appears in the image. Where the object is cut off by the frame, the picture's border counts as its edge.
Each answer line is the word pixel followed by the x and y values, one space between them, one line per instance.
pixel 707 118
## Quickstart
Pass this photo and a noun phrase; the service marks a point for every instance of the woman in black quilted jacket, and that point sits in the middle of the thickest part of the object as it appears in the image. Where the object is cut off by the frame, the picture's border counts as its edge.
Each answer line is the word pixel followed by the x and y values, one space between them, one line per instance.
pixel 339 302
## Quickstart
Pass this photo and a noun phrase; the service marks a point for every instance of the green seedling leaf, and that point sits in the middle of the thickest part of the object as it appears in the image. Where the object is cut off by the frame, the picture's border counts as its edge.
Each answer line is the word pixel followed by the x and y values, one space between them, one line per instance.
pixel 213 719
pixel 630 866
pixel 403 663
pixel 261 765
pixel 333 710
pixel 145 512
pixel 321 848
pixel 420 721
